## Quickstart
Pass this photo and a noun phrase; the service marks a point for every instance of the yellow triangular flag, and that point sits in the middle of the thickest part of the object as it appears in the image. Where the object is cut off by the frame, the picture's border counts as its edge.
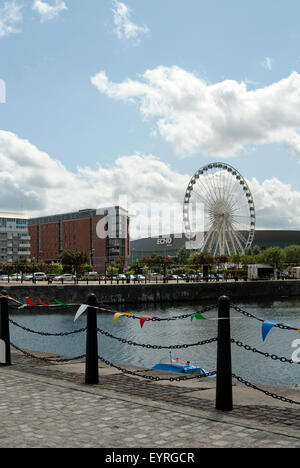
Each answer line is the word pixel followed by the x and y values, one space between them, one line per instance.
pixel 118 314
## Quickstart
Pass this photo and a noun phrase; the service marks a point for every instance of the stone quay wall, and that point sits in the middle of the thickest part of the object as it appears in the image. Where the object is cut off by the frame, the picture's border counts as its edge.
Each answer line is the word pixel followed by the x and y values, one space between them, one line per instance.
pixel 156 293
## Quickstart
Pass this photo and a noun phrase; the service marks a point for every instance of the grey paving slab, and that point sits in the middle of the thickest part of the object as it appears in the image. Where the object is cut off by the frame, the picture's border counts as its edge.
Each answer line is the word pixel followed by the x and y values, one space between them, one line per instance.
pixel 40 407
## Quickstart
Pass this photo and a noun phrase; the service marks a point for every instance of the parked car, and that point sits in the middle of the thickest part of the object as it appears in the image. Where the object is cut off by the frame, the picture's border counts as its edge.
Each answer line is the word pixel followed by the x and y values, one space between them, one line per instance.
pixel 39 276
pixel 140 277
pixel 28 277
pixel 16 277
pixel 91 275
pixel 121 277
pixel 50 276
pixel 3 278
pixel 64 277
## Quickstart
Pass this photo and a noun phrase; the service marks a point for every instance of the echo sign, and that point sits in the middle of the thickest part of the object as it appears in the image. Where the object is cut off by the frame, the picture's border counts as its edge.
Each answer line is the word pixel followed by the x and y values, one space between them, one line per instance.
pixel 164 241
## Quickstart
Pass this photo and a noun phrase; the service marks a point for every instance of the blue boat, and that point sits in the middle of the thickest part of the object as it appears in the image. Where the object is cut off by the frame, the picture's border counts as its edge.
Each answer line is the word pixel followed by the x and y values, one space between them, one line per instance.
pixel 174 365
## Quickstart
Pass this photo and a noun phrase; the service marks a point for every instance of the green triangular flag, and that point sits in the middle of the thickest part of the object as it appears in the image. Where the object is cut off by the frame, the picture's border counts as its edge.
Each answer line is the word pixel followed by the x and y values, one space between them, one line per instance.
pixel 60 303
pixel 198 317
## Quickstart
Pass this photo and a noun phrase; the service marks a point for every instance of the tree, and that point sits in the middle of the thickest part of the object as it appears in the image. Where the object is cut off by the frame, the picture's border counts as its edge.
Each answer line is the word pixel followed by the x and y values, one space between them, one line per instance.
pixel 274 256
pixel 203 258
pixel 235 258
pixel 73 259
pixel 112 271
pixel 56 268
pixel 221 259
pixel 162 261
pixel 292 253
pixel 119 263
pixel 183 256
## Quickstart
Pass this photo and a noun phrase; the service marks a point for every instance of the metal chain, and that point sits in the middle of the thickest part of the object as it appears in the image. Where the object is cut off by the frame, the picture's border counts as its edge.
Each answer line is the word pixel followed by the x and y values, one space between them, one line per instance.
pixel 29 330
pixel 266 392
pixel 247 314
pixel 177 317
pixel 149 346
pixel 46 359
pixel 152 377
pixel 267 355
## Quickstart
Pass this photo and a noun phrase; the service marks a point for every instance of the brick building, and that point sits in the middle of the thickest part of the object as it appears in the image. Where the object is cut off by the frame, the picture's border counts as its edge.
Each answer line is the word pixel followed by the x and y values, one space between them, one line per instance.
pixel 103 234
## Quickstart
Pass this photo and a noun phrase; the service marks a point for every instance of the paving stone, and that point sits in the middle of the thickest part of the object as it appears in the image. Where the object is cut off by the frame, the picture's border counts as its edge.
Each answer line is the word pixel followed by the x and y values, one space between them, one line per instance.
pixel 41 408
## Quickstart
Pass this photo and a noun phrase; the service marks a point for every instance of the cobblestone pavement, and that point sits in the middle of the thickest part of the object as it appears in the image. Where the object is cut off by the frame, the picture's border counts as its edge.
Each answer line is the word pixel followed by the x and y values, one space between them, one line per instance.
pixel 44 408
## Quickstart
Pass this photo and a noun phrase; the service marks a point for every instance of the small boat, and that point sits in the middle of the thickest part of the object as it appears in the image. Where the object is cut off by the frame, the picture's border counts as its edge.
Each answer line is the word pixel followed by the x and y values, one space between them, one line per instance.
pixel 174 365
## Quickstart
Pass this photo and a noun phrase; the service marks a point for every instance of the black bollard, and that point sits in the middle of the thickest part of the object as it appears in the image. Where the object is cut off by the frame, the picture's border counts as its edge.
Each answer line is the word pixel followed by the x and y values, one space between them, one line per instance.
pixel 91 363
pixel 4 329
pixel 224 371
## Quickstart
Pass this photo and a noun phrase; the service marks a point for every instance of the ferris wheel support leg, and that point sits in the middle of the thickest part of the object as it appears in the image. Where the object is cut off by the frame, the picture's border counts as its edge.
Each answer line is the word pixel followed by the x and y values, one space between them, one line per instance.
pixel 224 367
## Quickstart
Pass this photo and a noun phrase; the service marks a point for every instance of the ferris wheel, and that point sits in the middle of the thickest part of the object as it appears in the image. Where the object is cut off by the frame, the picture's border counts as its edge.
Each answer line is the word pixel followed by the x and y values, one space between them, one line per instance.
pixel 219 210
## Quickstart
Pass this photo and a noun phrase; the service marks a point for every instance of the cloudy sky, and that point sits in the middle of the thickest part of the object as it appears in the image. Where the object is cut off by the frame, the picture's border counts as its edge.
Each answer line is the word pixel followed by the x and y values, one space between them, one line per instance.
pixel 103 99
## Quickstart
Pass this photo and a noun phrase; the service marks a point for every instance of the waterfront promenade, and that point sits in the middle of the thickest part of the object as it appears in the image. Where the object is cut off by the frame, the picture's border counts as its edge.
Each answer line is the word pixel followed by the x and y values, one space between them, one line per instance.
pixel 48 405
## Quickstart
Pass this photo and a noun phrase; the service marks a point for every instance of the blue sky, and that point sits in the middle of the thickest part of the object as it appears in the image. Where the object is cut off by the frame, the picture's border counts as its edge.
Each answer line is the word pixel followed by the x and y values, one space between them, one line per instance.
pixel 62 117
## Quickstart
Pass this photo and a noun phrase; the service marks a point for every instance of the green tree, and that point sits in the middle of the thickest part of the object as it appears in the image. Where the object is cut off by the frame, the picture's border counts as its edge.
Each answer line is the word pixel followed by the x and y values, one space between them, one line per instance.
pixel 236 258
pixel 203 258
pixel 73 259
pixel 183 256
pixel 292 253
pixel 86 267
pixel 274 256
pixel 112 271
pixel 56 268
pixel 119 263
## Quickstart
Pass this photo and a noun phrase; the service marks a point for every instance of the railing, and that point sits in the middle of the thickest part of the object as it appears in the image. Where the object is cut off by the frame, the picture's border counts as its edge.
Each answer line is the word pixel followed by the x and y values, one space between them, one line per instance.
pixel 224 342
pixel 21 279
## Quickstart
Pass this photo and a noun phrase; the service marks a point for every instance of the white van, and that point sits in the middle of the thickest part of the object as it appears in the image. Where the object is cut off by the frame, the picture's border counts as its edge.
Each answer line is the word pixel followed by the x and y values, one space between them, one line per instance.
pixel 91 275
pixel 39 276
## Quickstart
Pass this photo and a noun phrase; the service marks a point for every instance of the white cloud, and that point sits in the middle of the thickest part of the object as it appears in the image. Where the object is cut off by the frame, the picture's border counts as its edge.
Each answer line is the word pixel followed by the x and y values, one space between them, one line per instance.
pixel 268 63
pixel 124 27
pixel 277 205
pixel 33 182
pixel 10 17
pixel 47 11
pixel 215 119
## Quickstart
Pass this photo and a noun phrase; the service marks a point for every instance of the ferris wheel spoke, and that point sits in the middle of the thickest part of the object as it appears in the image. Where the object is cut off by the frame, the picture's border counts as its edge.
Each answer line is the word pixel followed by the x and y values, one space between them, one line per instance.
pixel 237 240
pixel 201 197
pixel 207 237
pixel 207 190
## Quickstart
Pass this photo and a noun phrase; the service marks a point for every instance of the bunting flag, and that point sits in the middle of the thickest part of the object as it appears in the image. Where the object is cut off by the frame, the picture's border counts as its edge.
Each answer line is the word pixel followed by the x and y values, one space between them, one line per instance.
pixel 80 311
pixel 43 303
pixel 198 317
pixel 30 302
pixel 10 298
pixel 60 303
pixel 118 314
pixel 267 327
pixel 144 318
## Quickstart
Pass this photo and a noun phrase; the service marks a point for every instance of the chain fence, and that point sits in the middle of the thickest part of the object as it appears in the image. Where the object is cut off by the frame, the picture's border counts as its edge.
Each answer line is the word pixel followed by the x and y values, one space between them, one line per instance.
pixel 103 307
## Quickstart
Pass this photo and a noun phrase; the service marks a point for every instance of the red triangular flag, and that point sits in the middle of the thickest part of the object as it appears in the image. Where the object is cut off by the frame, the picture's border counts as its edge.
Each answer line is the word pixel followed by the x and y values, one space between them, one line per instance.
pixel 43 303
pixel 144 318
pixel 30 302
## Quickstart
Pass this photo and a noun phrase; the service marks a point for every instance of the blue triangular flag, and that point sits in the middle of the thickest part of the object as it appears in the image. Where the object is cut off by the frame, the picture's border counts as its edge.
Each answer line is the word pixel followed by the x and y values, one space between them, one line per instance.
pixel 266 327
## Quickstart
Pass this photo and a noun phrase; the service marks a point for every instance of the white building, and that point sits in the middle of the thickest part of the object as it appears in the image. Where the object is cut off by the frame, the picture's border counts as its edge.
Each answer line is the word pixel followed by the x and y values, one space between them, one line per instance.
pixel 14 238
